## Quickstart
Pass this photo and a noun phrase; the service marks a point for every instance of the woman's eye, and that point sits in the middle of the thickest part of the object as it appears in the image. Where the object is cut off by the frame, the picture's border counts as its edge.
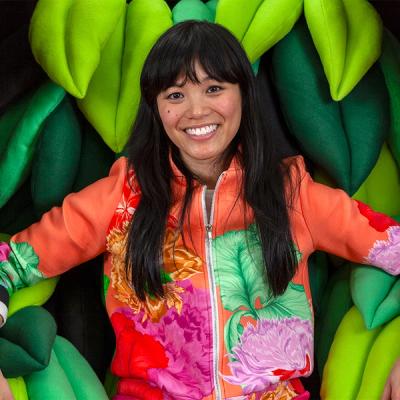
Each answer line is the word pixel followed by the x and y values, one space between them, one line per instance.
pixel 175 96
pixel 214 89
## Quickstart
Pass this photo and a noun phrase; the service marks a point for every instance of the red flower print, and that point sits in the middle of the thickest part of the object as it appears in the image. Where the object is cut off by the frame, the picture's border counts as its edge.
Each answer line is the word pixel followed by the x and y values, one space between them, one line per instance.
pixel 135 352
pixel 377 220
pixel 139 389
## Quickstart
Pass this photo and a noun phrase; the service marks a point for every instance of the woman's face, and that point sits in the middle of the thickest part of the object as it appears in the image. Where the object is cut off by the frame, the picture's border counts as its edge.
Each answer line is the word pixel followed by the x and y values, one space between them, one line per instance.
pixel 201 119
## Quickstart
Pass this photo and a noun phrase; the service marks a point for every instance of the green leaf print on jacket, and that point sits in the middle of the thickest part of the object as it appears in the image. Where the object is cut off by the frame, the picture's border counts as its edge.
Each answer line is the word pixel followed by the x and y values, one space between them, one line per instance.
pixel 244 291
pixel 20 269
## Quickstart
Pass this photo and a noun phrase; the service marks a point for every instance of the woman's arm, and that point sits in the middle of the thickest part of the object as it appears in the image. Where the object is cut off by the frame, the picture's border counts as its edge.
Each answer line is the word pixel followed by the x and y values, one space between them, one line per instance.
pixel 5 392
pixel 392 387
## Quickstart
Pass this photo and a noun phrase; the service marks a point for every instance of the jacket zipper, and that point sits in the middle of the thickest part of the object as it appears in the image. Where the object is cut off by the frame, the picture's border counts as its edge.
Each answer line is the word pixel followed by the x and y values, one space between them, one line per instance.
pixel 208 223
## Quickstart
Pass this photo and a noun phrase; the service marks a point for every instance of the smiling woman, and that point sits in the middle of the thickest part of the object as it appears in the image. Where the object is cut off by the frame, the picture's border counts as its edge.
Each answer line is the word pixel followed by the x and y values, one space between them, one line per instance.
pixel 201 118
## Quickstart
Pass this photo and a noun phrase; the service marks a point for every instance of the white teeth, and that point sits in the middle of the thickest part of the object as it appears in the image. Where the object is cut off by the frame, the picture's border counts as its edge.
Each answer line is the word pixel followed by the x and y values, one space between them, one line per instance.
pixel 204 130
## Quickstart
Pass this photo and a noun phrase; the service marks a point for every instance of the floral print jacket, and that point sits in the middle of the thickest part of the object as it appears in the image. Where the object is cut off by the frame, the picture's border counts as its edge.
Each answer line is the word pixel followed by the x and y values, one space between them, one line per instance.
pixel 217 333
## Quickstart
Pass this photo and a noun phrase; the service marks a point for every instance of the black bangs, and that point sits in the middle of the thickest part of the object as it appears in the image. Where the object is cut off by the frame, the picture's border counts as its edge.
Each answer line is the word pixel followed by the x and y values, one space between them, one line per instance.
pixel 186 44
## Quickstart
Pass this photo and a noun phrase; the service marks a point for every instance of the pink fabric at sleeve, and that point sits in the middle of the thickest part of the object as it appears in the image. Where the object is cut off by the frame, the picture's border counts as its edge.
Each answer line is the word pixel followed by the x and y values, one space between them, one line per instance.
pixel 76 232
pixel 342 226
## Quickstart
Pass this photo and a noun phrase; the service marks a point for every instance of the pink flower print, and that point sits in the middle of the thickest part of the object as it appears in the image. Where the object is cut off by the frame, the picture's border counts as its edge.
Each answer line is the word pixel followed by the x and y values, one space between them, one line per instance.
pixel 4 251
pixel 273 350
pixel 386 253
pixel 186 338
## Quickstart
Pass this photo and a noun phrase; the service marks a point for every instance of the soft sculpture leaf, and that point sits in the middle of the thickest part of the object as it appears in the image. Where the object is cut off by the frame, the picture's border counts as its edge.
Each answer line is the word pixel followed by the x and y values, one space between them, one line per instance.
pixel 19 131
pixel 349 351
pixel 348 36
pixel 18 388
pixel 376 294
pixel 56 159
pixel 67 37
pixel 258 25
pixel 383 354
pixel 381 189
pixel 191 9
pixel 26 341
pixel 244 291
pixel 334 305
pixel 344 138
pixel 390 65
pixel 113 95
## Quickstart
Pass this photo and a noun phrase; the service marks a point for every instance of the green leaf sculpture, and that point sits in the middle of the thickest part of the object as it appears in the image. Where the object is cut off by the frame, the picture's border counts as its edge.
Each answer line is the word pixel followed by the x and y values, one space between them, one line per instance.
pixel 390 65
pixel 258 24
pixel 113 95
pixel 381 358
pixel 20 128
pixel 348 36
pixel 56 159
pixel 349 352
pixel 67 37
pixel 344 138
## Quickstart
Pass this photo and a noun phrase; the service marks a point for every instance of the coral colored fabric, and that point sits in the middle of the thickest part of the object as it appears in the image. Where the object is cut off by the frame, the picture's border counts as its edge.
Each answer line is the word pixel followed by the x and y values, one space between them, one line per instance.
pixel 217 332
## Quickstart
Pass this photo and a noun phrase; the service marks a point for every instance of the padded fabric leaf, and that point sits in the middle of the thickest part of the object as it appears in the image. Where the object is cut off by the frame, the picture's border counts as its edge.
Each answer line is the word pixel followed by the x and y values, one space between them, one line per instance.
pixel 376 294
pixel 18 388
pixel 50 384
pixel 67 37
pixel 390 65
pixel 344 138
pixel 26 341
pixel 56 158
pixel 258 25
pixel 95 159
pixel 335 304
pixel 381 189
pixel 81 377
pixel 19 130
pixel 318 269
pixel 383 354
pixel 346 48
pixel 35 295
pixel 191 9
pixel 113 96
pixel 349 352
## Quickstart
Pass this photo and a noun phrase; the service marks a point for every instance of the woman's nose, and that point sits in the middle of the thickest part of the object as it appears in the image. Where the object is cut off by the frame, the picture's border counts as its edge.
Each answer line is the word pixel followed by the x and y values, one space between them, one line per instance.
pixel 197 108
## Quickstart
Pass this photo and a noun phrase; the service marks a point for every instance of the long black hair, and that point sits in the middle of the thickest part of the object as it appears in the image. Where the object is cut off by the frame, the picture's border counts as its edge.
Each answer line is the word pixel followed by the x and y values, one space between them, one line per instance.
pixel 265 177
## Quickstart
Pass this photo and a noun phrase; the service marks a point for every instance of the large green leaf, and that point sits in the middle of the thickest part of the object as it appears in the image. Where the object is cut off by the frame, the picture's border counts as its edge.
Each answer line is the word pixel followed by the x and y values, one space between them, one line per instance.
pixel 346 47
pixel 390 65
pixel 113 95
pixel 67 37
pixel 239 273
pixel 20 128
pixel 344 138
pixel 258 25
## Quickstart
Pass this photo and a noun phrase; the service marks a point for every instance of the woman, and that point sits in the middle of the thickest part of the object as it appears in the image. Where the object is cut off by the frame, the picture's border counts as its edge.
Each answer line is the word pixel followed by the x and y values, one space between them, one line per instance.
pixel 207 234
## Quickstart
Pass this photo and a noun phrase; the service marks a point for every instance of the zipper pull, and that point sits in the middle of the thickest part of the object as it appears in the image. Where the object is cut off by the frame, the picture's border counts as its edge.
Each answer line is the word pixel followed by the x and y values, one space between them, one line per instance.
pixel 209 231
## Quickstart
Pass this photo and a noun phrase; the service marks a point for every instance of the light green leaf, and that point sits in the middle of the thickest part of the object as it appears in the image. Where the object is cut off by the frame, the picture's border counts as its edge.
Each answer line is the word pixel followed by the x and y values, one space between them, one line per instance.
pixel 67 37
pixel 346 48
pixel 113 96
pixel 258 25
pixel 239 269
pixel 233 330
